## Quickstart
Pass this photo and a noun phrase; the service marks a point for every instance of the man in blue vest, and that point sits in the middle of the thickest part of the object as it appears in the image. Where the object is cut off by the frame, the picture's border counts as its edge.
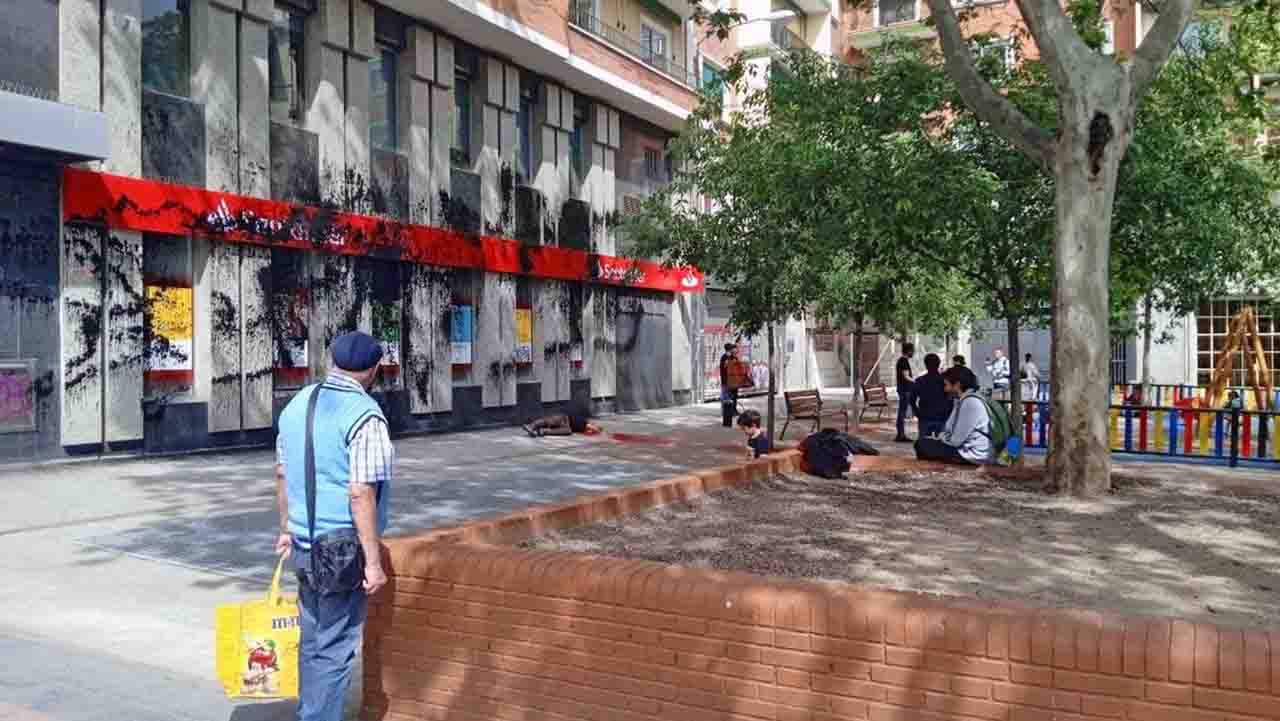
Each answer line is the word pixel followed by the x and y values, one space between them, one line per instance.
pixel 353 458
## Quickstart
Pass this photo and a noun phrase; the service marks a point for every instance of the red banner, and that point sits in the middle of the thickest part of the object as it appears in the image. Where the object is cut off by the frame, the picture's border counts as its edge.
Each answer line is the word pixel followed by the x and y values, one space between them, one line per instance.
pixel 155 207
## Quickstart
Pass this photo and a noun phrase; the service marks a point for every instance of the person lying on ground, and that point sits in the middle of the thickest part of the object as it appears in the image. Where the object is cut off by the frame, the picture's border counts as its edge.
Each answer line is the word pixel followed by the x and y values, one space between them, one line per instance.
pixel 561 424
pixel 966 438
pixel 757 439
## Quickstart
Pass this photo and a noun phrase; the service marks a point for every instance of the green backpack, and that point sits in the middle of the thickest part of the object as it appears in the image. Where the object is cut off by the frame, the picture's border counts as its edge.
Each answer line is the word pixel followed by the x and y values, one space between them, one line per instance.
pixel 1001 427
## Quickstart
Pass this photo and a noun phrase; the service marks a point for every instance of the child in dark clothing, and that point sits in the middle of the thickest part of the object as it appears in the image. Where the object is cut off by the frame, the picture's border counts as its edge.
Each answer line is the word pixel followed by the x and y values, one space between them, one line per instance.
pixel 757 439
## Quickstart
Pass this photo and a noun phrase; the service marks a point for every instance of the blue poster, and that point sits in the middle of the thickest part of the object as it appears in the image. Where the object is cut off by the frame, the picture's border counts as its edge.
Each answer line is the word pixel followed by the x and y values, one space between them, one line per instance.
pixel 461 334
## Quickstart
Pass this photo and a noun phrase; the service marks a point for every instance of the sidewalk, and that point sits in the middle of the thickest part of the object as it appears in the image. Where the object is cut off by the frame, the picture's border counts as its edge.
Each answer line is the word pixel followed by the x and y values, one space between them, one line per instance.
pixel 114 568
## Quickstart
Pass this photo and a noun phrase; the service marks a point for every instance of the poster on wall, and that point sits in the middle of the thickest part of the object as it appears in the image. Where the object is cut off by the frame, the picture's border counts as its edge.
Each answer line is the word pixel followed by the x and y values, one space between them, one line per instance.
pixel 575 353
pixel 172 329
pixel 17 396
pixel 461 333
pixel 524 336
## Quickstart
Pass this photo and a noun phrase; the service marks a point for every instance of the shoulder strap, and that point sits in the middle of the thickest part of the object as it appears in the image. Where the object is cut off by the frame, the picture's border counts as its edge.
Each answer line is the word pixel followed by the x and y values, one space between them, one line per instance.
pixel 310 470
pixel 986 406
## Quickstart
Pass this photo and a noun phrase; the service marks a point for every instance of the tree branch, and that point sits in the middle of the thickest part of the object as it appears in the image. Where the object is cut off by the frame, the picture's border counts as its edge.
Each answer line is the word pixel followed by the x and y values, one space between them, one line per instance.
pixel 1158 46
pixel 989 105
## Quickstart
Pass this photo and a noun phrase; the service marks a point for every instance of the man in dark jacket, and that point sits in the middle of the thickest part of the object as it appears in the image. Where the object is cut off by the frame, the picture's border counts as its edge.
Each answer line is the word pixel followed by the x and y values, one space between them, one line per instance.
pixel 930 401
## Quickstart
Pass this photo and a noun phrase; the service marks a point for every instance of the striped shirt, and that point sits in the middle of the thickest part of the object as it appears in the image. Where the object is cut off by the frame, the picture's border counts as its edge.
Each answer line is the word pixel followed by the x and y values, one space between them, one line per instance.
pixel 370 454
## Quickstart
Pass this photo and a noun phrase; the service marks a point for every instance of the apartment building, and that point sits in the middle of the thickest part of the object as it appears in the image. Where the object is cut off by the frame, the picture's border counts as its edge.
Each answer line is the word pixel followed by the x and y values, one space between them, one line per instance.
pixel 196 196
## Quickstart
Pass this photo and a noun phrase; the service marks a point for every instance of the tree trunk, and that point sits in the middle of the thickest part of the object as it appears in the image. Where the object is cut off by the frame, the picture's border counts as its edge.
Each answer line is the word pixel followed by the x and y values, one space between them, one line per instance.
pixel 1015 380
pixel 773 389
pixel 1085 170
pixel 1147 332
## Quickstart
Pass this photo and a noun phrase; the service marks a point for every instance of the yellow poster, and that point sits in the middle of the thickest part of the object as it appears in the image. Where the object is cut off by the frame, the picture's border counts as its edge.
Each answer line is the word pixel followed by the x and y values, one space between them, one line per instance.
pixel 524 335
pixel 172 325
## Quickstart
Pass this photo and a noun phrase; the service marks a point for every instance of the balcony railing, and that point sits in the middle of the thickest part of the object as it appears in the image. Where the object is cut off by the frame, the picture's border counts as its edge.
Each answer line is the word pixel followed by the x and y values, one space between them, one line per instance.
pixel 784 38
pixel 580 16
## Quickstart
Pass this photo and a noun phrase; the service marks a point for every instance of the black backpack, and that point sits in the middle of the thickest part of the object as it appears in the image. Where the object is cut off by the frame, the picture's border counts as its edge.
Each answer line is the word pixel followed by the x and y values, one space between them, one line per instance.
pixel 827 452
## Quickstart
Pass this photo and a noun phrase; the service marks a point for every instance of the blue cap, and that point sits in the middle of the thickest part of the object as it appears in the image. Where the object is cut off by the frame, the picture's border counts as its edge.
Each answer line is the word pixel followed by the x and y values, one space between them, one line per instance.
pixel 356 351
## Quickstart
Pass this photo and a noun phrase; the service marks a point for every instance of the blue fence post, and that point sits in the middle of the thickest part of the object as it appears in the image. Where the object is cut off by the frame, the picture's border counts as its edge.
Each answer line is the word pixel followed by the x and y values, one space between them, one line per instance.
pixel 1217 433
pixel 1128 429
pixel 1044 425
pixel 1235 437
pixel 1173 432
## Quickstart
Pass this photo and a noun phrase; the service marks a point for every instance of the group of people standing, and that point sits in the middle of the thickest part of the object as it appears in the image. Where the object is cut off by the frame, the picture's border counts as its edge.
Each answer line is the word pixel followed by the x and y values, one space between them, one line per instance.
pixel 951 428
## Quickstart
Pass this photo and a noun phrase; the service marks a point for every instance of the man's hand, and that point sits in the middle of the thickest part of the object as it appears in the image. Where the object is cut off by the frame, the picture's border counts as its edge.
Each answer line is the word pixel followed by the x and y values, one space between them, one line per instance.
pixel 374 578
pixel 284 544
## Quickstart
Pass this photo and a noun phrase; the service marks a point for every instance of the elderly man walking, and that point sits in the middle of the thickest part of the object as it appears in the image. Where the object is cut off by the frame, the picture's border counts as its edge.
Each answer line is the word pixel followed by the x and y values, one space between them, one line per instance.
pixel 333 472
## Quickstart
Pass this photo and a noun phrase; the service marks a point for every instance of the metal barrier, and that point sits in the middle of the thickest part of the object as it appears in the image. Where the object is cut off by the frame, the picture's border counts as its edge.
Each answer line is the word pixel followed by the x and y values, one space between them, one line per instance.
pixel 1224 434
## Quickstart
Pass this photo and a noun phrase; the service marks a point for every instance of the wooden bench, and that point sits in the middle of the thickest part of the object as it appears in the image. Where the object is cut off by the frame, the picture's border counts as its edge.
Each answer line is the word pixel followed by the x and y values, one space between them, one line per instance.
pixel 807 406
pixel 874 397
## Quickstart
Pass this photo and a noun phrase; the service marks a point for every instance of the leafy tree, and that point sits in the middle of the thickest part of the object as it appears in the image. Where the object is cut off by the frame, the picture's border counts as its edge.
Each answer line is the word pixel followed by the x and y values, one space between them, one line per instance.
pixel 1194 217
pixel 1097 100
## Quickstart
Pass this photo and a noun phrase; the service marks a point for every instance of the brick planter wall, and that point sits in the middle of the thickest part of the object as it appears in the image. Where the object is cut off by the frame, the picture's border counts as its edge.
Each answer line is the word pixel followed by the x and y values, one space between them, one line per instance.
pixel 476 633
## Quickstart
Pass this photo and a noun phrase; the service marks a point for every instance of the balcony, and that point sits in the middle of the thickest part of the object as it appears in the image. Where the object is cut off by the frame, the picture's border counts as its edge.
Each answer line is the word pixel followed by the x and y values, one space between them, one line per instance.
pixel 580 16
pixel 867 38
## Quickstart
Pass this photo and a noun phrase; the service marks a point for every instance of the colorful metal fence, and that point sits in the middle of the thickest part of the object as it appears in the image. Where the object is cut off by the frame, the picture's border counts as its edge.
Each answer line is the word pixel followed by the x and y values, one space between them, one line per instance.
pixel 1230 435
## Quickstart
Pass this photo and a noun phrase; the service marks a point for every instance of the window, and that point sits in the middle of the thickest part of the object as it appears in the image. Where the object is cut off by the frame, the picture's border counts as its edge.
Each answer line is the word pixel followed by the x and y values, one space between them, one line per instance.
pixel 524 129
pixel 712 78
pixel 290 317
pixel 652 164
pixel 284 64
pixel 166 46
pixel 577 151
pixel 888 12
pixel 1213 327
pixel 383 128
pixel 1109 43
pixel 170 320
pixel 653 44
pixel 30 38
pixel 1000 51
pixel 460 151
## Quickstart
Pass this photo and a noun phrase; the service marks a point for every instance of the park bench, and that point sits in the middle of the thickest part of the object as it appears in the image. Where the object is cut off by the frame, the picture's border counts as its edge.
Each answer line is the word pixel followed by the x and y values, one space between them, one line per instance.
pixel 874 397
pixel 807 406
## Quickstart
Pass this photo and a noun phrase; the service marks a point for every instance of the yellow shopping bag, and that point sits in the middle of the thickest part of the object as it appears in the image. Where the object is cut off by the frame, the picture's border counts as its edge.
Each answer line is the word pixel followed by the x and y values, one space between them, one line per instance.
pixel 257 645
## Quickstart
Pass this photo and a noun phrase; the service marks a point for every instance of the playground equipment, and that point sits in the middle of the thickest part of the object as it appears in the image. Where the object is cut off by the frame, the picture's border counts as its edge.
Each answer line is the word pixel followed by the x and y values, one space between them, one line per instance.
pixel 1243 337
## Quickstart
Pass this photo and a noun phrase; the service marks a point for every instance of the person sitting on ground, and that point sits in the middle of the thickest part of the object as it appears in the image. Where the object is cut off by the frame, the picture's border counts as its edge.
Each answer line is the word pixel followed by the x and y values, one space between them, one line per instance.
pixel 958 361
pixel 966 439
pixel 562 424
pixel 757 439
pixel 930 401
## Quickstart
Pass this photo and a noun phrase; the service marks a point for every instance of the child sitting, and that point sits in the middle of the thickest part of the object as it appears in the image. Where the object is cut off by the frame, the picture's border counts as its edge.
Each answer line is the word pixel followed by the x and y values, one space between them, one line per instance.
pixel 757 439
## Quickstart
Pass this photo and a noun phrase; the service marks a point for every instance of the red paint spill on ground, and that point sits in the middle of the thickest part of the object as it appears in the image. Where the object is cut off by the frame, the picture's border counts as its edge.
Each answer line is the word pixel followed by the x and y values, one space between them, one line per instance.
pixel 641 438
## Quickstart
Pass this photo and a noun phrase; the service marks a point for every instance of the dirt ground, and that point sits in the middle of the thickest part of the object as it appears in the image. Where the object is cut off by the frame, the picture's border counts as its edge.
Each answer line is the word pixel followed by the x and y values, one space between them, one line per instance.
pixel 1174 547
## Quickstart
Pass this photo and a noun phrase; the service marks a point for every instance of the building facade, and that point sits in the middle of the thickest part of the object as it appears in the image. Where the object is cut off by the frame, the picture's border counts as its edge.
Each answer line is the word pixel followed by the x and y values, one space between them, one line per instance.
pixel 196 196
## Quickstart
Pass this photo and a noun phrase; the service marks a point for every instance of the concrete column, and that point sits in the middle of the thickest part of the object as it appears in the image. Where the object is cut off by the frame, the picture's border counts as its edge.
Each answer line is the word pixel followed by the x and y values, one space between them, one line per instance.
pixel 219 287
pixel 122 89
pixel 123 323
pixel 682 328
pixel 507 148
pixel 496 338
pixel 490 79
pixel 356 132
pixel 429 375
pixel 80 56
pixel 599 190
pixel 255 115
pixel 552 175
pixel 256 359
pixel 214 85
pixel 82 337
pixel 551 339
pixel 441 125
pixel 600 329
pixel 417 71
pixel 327 40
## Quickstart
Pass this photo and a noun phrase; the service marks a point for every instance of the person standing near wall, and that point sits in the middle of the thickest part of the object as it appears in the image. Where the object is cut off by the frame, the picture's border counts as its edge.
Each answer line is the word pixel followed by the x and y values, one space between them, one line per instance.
pixel 333 471
pixel 728 396
pixel 1030 379
pixel 906 382
pixel 999 370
